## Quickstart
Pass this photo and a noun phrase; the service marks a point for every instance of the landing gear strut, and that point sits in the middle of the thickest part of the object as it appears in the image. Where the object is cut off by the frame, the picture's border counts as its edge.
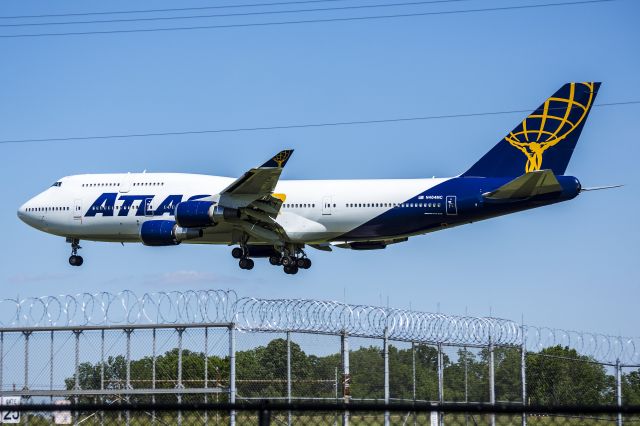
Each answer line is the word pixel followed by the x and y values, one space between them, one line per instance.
pixel 74 259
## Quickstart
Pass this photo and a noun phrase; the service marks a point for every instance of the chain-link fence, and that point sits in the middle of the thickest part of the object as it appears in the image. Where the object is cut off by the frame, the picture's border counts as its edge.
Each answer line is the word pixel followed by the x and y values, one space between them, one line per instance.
pixel 219 363
pixel 267 413
pixel 213 347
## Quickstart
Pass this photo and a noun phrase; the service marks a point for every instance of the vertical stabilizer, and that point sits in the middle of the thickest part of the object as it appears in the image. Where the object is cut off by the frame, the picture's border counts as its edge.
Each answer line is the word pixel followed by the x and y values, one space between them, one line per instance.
pixel 543 140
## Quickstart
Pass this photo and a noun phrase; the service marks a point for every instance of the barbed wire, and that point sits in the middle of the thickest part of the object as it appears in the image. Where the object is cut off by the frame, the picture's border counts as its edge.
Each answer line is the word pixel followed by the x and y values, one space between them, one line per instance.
pixel 305 316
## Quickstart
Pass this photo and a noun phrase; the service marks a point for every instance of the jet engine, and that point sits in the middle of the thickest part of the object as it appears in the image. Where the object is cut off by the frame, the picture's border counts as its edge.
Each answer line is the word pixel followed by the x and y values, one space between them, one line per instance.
pixel 195 214
pixel 166 233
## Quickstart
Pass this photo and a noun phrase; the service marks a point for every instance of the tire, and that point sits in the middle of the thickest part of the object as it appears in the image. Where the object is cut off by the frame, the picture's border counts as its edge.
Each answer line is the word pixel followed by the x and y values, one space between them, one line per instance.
pixel 294 269
pixel 287 269
pixel 79 260
pixel 72 261
pixel 287 261
pixel 274 260
pixel 300 262
pixel 307 263
pixel 243 263
pixel 237 253
pixel 249 265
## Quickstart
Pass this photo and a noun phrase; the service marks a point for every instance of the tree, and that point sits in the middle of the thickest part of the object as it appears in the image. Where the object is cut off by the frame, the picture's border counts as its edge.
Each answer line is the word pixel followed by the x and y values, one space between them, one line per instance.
pixel 560 376
pixel 631 388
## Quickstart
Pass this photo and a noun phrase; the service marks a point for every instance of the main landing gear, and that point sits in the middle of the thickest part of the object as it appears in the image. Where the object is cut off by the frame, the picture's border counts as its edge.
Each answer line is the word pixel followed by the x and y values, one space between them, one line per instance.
pixel 242 254
pixel 74 259
pixel 291 264
pixel 291 259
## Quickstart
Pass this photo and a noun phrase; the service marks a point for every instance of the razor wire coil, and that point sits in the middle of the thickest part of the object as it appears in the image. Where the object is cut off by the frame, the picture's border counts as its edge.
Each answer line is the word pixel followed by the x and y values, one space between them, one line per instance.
pixel 305 316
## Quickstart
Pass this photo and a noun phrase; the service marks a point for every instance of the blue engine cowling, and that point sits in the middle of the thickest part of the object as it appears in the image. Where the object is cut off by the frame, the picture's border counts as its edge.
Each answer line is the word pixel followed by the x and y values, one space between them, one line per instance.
pixel 166 233
pixel 200 214
pixel 194 214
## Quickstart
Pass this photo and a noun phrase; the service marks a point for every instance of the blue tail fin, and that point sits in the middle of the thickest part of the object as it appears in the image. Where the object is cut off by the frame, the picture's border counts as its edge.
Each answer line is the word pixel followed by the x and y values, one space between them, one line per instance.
pixel 545 139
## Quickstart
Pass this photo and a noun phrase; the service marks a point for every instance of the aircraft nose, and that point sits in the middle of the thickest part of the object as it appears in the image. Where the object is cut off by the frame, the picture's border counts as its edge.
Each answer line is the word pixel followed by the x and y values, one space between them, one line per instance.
pixel 22 212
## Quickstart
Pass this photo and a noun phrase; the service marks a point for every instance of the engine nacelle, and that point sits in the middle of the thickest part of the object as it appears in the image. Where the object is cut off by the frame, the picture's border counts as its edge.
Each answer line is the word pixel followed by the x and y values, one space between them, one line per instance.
pixel 166 233
pixel 199 214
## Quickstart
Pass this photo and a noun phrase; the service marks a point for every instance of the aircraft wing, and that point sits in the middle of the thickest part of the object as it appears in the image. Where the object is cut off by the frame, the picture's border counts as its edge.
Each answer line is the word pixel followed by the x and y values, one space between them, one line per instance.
pixel 526 186
pixel 260 181
pixel 253 192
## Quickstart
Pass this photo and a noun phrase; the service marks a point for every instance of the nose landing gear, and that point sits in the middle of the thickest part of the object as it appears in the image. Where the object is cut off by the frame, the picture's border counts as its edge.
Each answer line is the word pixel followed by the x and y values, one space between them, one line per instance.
pixel 74 259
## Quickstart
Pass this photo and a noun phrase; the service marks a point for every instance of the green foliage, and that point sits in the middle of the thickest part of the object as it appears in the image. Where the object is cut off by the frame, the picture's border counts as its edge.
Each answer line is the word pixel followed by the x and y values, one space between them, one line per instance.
pixel 559 375
pixel 631 388
pixel 556 375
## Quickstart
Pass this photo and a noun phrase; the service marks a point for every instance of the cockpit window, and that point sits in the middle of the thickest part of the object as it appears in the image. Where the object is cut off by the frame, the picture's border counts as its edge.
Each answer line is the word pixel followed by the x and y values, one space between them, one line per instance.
pixel 57 184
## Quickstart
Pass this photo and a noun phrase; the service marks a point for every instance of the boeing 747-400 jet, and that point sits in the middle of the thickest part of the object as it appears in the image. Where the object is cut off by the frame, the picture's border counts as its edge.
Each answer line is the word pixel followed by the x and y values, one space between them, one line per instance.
pixel 264 216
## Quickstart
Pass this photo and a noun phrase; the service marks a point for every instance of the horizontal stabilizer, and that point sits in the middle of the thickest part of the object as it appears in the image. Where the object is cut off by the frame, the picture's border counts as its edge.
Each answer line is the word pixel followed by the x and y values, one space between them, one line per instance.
pixel 526 186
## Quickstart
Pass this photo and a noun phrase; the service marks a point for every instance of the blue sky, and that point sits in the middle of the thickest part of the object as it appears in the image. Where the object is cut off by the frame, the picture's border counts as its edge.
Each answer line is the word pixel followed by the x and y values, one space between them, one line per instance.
pixel 572 265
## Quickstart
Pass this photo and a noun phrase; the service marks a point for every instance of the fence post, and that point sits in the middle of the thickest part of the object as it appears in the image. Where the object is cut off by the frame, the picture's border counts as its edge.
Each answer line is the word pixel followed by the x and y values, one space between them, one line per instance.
pixel 523 374
pixel 385 356
pixel 440 361
pixel 153 373
pixel 206 371
pixel 127 385
pixel 26 360
pixel 492 382
pixel 413 369
pixel 179 385
pixel 413 373
pixel 50 368
pixel 264 415
pixel 466 382
pixel 289 375
pixel 76 370
pixel 346 376
pixel 102 373
pixel 232 372
pixel 619 390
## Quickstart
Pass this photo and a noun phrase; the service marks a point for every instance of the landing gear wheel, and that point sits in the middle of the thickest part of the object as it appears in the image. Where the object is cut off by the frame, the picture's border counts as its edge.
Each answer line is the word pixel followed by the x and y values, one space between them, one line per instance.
pixel 75 260
pixel 246 263
pixel 291 269
pixel 275 260
pixel 304 263
pixel 287 261
pixel 237 253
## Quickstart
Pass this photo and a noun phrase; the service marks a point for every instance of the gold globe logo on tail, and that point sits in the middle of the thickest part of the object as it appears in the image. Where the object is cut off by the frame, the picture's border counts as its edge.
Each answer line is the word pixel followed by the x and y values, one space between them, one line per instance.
pixel 282 158
pixel 540 131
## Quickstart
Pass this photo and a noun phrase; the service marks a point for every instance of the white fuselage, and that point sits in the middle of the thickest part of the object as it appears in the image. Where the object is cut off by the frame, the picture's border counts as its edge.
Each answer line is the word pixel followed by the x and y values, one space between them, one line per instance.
pixel 314 211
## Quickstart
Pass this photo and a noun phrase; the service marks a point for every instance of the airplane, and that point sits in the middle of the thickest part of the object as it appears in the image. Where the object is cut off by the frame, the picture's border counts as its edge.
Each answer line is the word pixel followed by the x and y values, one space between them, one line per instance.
pixel 266 217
